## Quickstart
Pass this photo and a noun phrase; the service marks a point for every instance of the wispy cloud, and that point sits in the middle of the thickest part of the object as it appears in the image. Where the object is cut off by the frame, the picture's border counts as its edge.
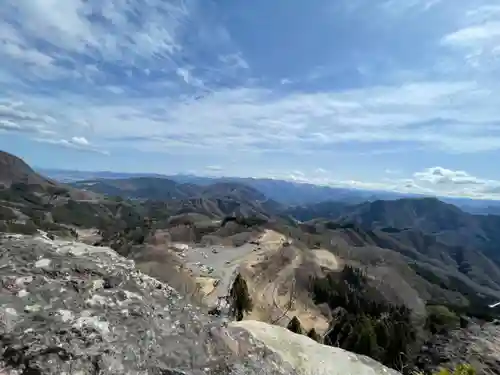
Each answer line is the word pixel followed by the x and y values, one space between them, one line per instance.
pixel 450 116
pixel 76 143
pixel 457 183
pixel 473 35
pixel 198 79
pixel 391 171
pixel 79 65
pixel 479 36
pixel 214 168
pixel 112 30
pixel 93 40
pixel 396 6
pixel 430 181
pixel 15 117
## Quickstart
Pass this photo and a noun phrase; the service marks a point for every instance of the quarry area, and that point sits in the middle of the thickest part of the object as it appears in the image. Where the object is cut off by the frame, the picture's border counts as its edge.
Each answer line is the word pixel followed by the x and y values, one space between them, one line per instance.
pixel 269 262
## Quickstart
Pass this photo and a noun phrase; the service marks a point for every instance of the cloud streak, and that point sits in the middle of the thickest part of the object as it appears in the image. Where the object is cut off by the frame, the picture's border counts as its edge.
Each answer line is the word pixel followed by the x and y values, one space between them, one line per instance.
pixel 75 143
pixel 14 117
pixel 449 116
pixel 205 81
pixel 433 181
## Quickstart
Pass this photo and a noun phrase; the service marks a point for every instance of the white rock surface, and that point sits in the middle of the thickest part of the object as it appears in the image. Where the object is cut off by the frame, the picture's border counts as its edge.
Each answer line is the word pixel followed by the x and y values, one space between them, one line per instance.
pixel 307 357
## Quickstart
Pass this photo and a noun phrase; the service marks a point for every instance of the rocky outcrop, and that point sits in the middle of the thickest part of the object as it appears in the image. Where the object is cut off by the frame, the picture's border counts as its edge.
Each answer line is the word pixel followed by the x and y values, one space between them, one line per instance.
pixel 69 308
pixel 307 357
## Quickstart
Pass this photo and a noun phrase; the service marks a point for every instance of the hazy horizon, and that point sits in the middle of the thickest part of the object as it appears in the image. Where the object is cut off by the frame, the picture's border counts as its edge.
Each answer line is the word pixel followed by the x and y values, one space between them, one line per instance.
pixel 392 94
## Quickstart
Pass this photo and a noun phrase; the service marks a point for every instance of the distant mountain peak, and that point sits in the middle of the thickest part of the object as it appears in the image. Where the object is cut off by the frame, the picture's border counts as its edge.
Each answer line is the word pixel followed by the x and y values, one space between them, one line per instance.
pixel 15 170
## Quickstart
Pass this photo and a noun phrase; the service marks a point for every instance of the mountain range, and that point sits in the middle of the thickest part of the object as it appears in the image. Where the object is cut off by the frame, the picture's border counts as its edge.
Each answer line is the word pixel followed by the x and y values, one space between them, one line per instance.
pixel 285 192
pixel 444 245
pixel 416 251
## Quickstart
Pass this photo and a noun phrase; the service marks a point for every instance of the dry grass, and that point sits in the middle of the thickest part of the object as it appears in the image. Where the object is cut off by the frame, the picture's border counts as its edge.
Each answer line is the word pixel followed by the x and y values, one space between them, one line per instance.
pixel 278 278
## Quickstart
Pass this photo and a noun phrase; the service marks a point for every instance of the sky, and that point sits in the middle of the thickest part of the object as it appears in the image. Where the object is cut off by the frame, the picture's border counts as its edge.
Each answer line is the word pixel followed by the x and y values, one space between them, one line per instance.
pixel 378 94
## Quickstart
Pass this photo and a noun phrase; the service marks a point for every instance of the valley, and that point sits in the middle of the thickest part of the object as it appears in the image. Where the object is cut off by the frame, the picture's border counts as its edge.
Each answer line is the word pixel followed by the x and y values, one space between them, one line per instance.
pixel 332 265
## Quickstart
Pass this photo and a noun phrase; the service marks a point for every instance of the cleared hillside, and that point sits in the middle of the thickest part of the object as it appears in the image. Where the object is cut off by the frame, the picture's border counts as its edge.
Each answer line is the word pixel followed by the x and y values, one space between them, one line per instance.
pixel 14 170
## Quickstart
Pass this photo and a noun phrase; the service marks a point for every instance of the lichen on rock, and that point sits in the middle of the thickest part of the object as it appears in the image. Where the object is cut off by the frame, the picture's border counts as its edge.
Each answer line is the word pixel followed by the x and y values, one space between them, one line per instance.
pixel 70 308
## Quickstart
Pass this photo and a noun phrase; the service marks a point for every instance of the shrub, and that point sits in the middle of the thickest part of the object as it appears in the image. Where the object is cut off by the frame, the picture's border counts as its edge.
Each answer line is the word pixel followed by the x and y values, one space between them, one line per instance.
pixel 7 214
pixel 440 319
pixel 463 369
pixel 251 221
pixel 28 228
pixel 3 226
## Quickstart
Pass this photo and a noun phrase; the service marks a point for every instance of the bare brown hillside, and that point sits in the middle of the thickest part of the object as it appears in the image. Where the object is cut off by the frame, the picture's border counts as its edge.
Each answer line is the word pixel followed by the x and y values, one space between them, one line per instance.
pixel 14 170
pixel 277 272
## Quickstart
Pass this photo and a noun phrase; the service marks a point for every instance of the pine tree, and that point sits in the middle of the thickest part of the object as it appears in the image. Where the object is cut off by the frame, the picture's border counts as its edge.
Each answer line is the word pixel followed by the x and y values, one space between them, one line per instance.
pixel 365 341
pixel 314 335
pixel 295 325
pixel 240 298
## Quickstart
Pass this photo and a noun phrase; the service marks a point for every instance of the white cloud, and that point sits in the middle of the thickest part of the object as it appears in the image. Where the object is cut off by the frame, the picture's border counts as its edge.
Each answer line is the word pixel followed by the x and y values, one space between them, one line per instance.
pixel 82 141
pixel 439 175
pixel 433 181
pixel 235 61
pixel 457 183
pixel 397 6
pixel 449 116
pixel 187 77
pixel 168 76
pixel 115 89
pixel 81 38
pixel 391 171
pixel 10 126
pixel 214 168
pixel 17 111
pixel 26 55
pixel 14 117
pixel 67 25
pixel 472 35
pixel 479 37
pixel 76 143
pixel 320 171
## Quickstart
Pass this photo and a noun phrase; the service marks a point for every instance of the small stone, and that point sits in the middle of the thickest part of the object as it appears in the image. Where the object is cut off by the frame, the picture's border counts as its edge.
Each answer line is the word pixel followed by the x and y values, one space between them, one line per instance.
pixel 11 311
pixel 22 293
pixel 111 282
pixel 42 263
pixel 32 308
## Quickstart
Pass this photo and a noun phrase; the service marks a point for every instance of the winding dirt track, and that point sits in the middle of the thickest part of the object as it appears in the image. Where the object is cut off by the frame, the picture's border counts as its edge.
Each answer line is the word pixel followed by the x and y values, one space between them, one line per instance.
pixel 270 270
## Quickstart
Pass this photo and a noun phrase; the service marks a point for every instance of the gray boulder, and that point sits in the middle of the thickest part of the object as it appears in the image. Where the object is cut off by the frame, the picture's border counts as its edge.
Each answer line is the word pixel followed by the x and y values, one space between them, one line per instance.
pixel 307 357
pixel 70 308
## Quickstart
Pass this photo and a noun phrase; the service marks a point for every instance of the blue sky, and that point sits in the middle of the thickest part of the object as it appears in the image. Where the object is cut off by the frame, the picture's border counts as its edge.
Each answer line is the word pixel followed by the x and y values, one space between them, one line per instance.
pixel 392 94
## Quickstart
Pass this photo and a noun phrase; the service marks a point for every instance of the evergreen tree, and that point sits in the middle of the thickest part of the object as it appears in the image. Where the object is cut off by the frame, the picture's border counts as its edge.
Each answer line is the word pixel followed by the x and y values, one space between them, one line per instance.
pixel 240 298
pixel 362 320
pixel 314 335
pixel 365 340
pixel 295 325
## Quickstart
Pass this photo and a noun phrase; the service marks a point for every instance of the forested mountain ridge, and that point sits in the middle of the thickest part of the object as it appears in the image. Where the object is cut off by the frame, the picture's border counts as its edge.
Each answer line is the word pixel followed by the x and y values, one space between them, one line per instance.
pixel 377 259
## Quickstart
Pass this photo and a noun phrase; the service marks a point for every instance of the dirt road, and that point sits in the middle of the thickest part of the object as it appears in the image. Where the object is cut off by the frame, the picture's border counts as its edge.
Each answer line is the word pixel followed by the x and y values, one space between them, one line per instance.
pixel 215 267
pixel 268 263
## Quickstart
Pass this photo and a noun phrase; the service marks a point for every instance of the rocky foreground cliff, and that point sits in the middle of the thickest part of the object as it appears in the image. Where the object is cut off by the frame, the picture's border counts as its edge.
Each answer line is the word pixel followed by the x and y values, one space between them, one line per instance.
pixel 69 308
